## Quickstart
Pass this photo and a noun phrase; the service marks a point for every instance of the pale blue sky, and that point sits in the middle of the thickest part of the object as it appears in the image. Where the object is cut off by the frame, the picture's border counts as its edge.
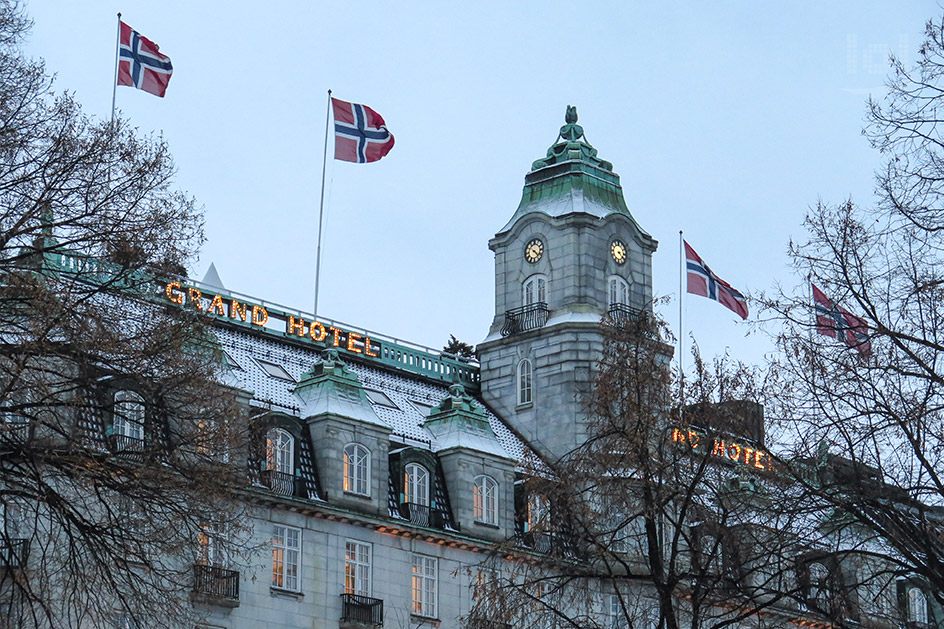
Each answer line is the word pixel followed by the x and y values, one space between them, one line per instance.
pixel 725 119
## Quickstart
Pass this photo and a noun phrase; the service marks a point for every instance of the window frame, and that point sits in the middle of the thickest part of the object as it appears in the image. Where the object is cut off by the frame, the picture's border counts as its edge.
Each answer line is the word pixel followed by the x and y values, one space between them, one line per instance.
pixel 916 607
pixel 356 567
pixel 485 500
pixel 524 382
pixel 617 287
pixel 414 482
pixel 424 585
pixel 280 451
pixel 126 422
pixel 534 290
pixel 355 478
pixel 286 558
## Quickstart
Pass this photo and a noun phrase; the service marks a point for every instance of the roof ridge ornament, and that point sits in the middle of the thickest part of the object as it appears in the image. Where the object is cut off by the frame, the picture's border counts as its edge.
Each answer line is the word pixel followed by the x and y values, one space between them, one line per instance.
pixel 571 144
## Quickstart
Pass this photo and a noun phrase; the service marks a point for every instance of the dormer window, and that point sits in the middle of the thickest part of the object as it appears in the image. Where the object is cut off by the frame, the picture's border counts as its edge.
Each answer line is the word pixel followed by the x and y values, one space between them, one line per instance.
pixel 128 415
pixel 275 370
pixel 416 484
pixel 280 451
pixel 485 500
pixel 356 469
pixel 539 513
pixel 917 610
pixel 535 290
pixel 380 398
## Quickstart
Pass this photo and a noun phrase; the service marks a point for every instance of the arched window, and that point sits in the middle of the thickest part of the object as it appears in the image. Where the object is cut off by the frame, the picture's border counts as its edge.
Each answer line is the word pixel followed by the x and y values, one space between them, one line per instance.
pixel 128 415
pixel 819 587
pixel 485 500
pixel 917 606
pixel 539 512
pixel 416 484
pixel 535 290
pixel 618 291
pixel 280 451
pixel 357 469
pixel 525 384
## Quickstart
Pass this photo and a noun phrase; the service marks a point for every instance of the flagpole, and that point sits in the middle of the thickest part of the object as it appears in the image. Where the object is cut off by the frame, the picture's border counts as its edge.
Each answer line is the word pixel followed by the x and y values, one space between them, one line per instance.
pixel 681 330
pixel 114 83
pixel 324 165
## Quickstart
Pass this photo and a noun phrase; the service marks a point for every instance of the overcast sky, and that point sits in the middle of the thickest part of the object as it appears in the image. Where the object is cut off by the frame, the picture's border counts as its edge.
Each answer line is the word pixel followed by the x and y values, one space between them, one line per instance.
pixel 725 119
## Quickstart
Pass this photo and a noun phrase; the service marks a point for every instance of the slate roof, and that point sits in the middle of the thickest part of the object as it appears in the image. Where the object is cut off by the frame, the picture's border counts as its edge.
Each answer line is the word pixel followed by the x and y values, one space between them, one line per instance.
pixel 405 421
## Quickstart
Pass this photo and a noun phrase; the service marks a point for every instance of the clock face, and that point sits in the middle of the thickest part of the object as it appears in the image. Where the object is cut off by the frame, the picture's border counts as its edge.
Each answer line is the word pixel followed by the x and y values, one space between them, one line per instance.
pixel 534 250
pixel 618 250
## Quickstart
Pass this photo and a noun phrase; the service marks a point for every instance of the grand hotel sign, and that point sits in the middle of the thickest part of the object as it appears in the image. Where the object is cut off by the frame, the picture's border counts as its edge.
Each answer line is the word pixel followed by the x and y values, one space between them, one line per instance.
pixel 242 312
pixel 728 450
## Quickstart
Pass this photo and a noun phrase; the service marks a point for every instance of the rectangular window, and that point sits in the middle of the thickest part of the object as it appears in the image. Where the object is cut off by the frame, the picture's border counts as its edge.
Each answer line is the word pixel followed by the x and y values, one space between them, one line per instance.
pixel 357 568
pixel 286 554
pixel 424 586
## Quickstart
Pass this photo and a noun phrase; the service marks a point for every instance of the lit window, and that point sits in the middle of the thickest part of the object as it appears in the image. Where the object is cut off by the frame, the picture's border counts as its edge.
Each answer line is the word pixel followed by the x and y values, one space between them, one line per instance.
pixel 424 586
pixel 357 469
pixel 210 547
pixel 286 554
pixel 380 398
pixel 128 411
pixel 525 384
pixel 485 500
pixel 416 484
pixel 535 290
pixel 357 568
pixel 917 606
pixel 275 370
pixel 618 291
pixel 280 451
pixel 539 511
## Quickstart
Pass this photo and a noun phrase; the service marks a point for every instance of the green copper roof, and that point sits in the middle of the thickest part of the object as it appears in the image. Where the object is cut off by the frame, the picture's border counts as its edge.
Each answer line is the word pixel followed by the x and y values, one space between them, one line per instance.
pixel 571 179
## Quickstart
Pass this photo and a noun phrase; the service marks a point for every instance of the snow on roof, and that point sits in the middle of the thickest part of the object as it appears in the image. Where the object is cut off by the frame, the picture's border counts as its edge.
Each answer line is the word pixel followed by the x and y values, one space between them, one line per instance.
pixel 410 393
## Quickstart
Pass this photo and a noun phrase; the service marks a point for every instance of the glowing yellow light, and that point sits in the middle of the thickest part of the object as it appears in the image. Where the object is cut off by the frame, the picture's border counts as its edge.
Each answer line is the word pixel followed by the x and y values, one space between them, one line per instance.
pixel 174 293
pixel 295 327
pixel 367 348
pixel 334 333
pixel 259 315
pixel 317 331
pixel 195 297
pixel 351 339
pixel 235 310
pixel 216 306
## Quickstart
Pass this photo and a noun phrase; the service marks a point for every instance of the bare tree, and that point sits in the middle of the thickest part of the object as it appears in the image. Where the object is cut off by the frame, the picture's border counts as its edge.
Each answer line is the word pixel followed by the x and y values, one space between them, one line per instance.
pixel 673 512
pixel 868 417
pixel 118 445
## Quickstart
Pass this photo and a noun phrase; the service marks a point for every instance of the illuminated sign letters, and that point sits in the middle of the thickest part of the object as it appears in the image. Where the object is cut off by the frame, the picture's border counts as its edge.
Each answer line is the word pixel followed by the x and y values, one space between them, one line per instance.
pixel 727 450
pixel 254 314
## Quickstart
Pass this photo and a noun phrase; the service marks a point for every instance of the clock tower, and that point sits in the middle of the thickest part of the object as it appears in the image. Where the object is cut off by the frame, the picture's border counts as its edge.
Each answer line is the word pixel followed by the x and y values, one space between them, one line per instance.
pixel 570 254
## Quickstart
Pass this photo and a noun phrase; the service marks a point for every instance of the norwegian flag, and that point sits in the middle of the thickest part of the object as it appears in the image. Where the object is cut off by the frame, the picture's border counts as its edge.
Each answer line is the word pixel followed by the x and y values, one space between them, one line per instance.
pixel 360 134
pixel 835 321
pixel 140 63
pixel 702 281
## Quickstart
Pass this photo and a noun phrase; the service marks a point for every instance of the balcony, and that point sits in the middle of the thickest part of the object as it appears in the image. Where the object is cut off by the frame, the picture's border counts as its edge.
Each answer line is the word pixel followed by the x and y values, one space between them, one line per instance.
pixel 480 623
pixel 530 317
pixel 422 515
pixel 216 582
pixel 280 483
pixel 125 446
pixel 13 553
pixel 621 314
pixel 362 610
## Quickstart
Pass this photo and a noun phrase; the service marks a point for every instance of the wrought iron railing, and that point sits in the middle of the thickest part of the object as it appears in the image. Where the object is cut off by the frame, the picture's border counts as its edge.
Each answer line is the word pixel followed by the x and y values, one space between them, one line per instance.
pixel 281 483
pixel 362 609
pixel 216 581
pixel 13 552
pixel 423 515
pixel 623 314
pixel 530 317
pixel 125 445
pixel 539 542
pixel 482 623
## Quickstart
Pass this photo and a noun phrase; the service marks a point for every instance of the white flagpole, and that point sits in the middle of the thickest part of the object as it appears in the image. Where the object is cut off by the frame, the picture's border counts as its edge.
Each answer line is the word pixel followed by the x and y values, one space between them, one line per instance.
pixel 324 165
pixel 114 83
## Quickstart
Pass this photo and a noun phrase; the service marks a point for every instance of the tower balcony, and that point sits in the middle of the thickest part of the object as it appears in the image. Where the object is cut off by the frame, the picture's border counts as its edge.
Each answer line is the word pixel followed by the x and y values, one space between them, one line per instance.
pixel 530 317
pixel 621 314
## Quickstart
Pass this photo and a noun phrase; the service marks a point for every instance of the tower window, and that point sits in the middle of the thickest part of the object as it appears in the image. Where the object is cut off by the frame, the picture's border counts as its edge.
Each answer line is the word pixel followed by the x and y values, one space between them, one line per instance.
pixel 535 290
pixel 618 291
pixel 525 384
